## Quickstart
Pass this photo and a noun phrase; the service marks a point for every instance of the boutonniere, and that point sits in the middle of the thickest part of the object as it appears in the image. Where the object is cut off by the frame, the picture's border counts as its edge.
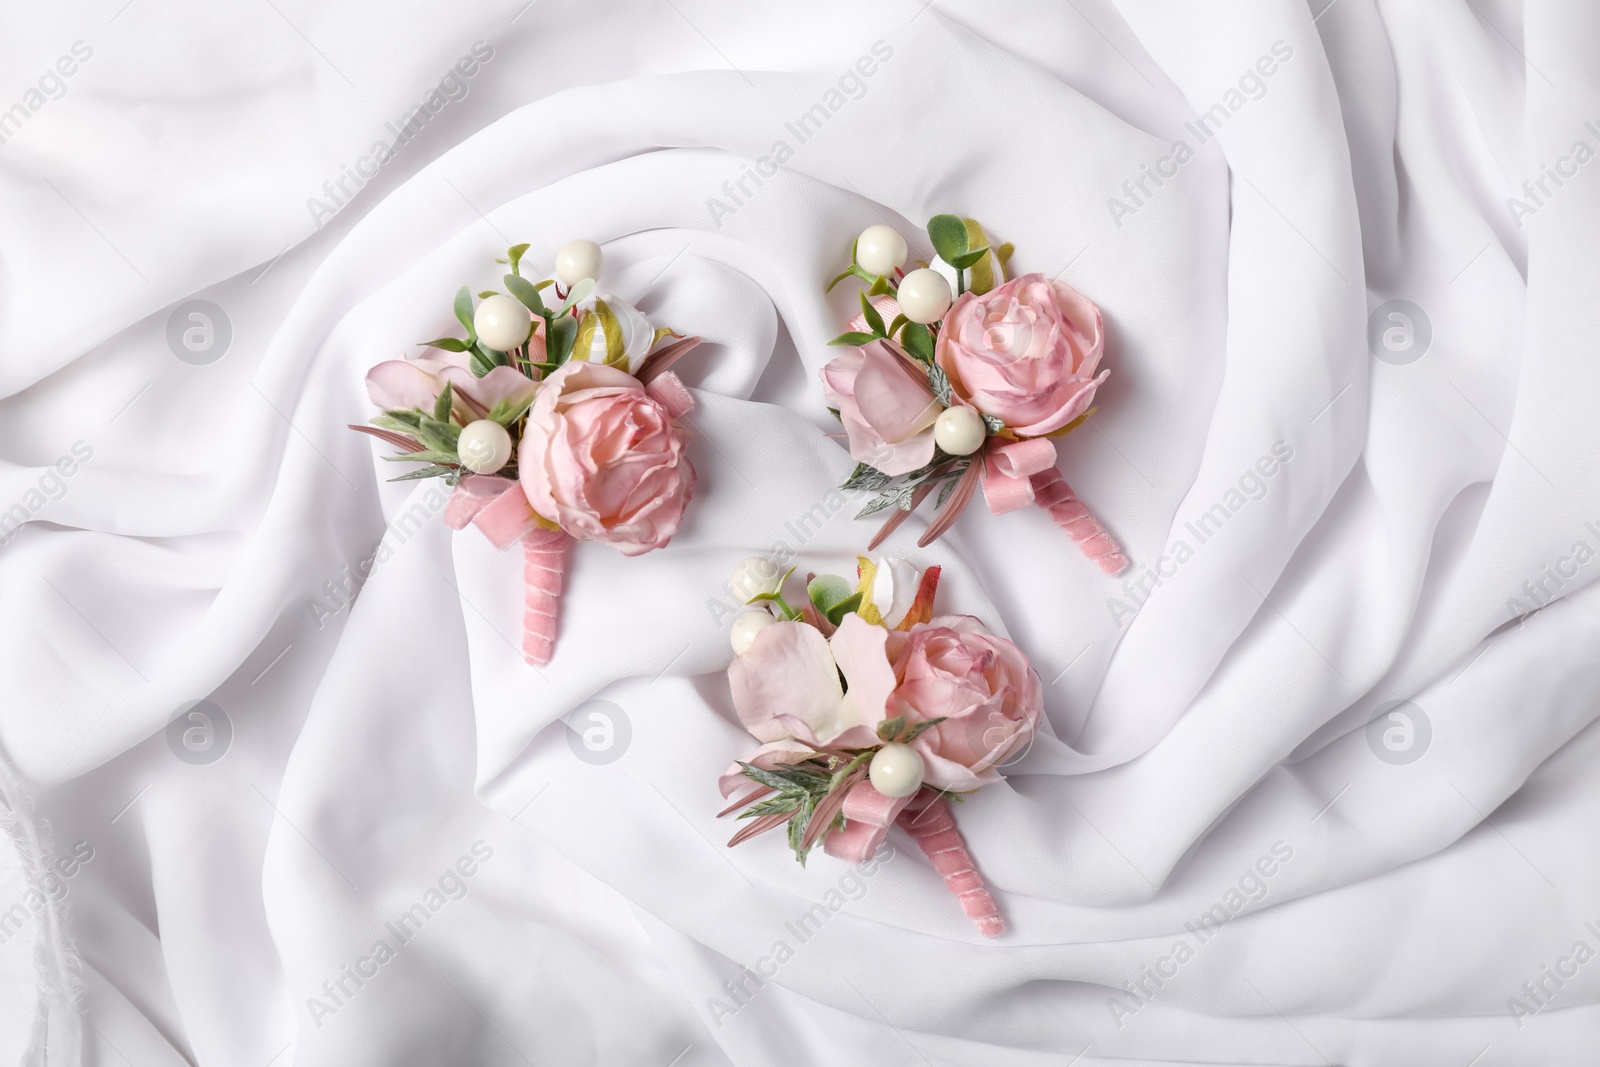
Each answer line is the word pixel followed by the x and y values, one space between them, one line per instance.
pixel 959 377
pixel 556 419
pixel 872 711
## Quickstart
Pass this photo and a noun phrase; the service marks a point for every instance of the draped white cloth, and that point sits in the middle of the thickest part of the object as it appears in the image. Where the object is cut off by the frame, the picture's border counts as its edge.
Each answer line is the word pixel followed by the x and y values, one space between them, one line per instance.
pixel 1210 858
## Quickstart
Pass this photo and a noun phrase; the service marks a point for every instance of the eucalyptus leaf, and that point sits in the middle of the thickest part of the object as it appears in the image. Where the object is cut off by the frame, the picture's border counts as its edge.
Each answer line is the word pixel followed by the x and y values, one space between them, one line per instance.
pixel 827 591
pixel 962 262
pixel 563 332
pixel 867 478
pixel 922 727
pixel 578 293
pixel 916 339
pixel 854 338
pixel 949 236
pixel 870 313
pixel 892 498
pixel 514 256
pixel 427 455
pixel 526 292
pixel 889 729
pixel 939 382
pixel 425 472
pixel 464 311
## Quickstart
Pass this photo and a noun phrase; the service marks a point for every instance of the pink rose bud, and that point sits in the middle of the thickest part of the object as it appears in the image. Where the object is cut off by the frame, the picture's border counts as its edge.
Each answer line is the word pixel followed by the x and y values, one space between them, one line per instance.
pixel 603 460
pixel 1025 353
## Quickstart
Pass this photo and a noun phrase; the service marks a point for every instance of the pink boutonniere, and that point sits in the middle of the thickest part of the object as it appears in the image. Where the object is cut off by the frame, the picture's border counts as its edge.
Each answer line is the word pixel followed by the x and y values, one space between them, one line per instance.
pixel 554 422
pixel 960 378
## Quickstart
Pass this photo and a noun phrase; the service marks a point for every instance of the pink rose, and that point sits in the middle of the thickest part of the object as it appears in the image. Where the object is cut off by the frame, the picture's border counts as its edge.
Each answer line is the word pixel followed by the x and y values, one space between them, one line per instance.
pixel 981 685
pixel 603 460
pixel 886 407
pixel 786 684
pixel 1024 352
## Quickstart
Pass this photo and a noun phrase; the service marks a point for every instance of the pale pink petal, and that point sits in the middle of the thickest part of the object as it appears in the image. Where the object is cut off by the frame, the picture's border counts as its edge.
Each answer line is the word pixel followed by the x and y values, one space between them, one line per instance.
pixel 400 383
pixel 785 681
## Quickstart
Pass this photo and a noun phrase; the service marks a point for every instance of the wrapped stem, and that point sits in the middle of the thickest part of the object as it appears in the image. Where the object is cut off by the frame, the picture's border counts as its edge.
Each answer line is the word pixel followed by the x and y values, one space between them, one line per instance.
pixel 543 571
pixel 1052 493
pixel 928 820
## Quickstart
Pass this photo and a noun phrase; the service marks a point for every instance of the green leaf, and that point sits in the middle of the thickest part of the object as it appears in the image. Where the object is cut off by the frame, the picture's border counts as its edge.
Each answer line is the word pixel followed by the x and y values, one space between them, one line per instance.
pixel 526 292
pixel 867 478
pixel 441 406
pixel 949 236
pixel 894 326
pixel 889 729
pixel 922 727
pixel 464 311
pixel 962 262
pixel 854 338
pixel 870 313
pixel 563 332
pixel 514 256
pixel 992 424
pixel 505 412
pixel 426 472
pixel 939 382
pixel 916 339
pixel 838 279
pixel 828 591
pixel 949 486
pixel 438 435
pixel 404 420
pixel 487 293
pixel 797 829
pixel 449 344
pixel 892 498
pixel 771 806
pixel 791 778
pixel 844 772
pixel 879 286
pixel 579 292
pixel 427 455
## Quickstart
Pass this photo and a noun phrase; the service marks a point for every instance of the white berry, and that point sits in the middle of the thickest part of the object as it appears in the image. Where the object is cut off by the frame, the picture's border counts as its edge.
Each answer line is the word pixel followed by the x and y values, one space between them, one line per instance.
pixel 754 576
pixel 502 323
pixel 484 446
pixel 896 770
pixel 745 628
pixel 576 261
pixel 959 431
pixel 880 249
pixel 924 295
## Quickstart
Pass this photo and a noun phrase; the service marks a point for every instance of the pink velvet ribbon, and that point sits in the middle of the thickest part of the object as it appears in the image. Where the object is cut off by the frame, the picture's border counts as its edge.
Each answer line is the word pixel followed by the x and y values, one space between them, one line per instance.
pixel 1007 468
pixel 924 815
pixel 1057 498
pixel 499 509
